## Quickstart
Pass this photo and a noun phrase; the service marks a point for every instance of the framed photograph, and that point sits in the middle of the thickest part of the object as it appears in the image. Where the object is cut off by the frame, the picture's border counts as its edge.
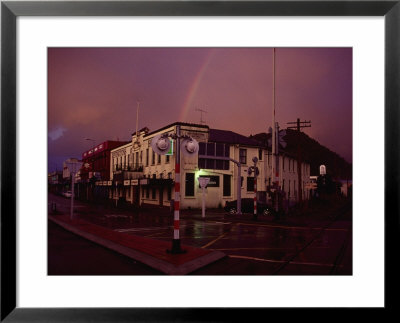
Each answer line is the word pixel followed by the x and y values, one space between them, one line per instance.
pixel 175 44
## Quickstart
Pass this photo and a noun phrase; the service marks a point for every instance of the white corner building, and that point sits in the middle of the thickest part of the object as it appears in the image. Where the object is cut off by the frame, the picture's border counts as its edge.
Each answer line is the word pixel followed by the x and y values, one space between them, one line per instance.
pixel 140 176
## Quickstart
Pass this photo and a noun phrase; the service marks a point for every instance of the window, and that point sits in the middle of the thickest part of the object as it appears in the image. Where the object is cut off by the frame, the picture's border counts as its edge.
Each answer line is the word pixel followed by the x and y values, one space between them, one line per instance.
pixel 213 149
pixel 241 181
pixel 153 193
pixel 210 149
pixel 219 150
pixel 189 184
pixel 147 157
pixel 227 185
pixel 260 154
pixel 167 158
pixel 169 193
pixel 283 163
pixel 202 148
pixel 250 184
pixel 142 192
pixel 153 158
pixel 243 156
pixel 227 148
pixel 147 192
pixel 158 159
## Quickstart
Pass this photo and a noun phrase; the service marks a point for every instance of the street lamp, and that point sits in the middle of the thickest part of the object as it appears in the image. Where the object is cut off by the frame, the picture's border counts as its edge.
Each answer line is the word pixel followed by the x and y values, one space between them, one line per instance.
pixel 73 167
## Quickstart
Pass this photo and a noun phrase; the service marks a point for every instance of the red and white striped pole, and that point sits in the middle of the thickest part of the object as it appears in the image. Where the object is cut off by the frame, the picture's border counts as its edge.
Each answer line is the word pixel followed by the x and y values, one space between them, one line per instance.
pixel 275 136
pixel 277 166
pixel 255 193
pixel 176 242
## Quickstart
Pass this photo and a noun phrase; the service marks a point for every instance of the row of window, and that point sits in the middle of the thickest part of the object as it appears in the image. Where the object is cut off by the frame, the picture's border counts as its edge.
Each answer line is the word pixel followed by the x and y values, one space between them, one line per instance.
pixel 136 160
pixel 205 149
pixel 146 193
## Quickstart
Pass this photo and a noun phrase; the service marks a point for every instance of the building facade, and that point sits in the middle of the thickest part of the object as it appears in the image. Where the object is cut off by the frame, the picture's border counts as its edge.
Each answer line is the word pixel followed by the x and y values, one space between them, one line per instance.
pixel 140 176
pixel 94 177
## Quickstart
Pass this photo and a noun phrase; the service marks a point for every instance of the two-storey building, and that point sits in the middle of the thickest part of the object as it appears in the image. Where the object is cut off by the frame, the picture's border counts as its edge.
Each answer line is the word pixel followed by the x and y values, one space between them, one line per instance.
pixel 140 176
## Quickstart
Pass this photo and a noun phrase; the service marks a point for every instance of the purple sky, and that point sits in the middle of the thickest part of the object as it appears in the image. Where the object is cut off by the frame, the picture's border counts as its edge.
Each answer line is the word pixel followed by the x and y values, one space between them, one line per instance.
pixel 93 93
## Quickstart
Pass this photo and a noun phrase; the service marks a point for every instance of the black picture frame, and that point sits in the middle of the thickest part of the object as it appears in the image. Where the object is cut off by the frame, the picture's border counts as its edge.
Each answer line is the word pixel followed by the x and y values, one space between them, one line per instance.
pixel 10 10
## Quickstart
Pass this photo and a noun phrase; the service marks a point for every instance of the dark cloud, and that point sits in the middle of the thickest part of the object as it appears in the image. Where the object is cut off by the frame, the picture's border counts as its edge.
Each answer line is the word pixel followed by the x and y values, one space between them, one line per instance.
pixel 93 92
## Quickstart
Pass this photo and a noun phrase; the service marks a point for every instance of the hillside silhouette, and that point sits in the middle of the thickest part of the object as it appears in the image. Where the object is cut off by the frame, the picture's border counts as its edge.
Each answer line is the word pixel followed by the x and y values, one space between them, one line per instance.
pixel 312 152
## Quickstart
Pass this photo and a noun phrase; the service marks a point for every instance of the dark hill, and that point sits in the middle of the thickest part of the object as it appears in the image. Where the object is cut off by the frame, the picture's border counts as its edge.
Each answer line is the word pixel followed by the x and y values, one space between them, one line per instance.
pixel 313 152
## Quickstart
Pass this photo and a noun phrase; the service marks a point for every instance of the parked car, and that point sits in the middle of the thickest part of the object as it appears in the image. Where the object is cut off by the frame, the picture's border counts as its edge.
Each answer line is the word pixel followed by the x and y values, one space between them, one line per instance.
pixel 248 207
pixel 67 194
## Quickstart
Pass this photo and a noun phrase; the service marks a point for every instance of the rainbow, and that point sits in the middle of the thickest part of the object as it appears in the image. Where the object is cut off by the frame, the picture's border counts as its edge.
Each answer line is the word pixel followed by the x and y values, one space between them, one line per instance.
pixel 194 87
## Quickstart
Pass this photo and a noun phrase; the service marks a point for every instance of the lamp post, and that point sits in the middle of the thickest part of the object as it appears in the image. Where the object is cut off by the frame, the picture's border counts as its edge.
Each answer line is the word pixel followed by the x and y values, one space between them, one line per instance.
pixel 73 167
pixel 161 145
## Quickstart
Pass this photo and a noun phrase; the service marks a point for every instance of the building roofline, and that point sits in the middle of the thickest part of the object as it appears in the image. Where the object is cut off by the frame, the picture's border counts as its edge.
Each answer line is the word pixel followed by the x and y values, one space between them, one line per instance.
pixel 176 124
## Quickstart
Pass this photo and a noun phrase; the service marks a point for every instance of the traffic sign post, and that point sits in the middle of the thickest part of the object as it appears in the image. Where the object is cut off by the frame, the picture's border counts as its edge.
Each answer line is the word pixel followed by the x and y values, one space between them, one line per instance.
pixel 203 181
pixel 255 169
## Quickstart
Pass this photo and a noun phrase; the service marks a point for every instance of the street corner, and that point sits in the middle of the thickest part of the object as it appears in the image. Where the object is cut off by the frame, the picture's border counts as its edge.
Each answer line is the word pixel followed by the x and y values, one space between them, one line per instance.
pixel 148 251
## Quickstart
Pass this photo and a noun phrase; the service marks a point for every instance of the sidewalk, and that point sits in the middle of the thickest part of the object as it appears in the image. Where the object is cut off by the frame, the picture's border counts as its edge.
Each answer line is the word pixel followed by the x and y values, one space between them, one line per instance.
pixel 148 251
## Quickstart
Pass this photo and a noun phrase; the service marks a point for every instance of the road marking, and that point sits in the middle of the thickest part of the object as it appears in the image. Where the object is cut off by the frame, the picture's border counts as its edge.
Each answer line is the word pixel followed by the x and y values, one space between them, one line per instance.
pixel 286 227
pixel 227 249
pixel 184 237
pixel 257 259
pixel 142 229
pixel 281 261
pixel 154 234
pixel 215 240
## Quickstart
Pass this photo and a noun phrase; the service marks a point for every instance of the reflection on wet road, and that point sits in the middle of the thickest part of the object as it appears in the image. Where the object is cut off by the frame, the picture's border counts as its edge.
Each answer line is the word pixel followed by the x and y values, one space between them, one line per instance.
pixel 263 247
pixel 291 246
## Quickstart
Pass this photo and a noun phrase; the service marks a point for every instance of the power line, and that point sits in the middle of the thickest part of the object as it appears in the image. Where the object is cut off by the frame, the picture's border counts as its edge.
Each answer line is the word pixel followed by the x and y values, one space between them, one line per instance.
pixel 298 126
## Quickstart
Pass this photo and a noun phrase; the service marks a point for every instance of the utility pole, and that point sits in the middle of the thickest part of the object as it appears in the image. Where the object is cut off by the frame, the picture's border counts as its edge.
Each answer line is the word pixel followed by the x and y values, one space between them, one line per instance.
pixel 298 126
pixel 201 115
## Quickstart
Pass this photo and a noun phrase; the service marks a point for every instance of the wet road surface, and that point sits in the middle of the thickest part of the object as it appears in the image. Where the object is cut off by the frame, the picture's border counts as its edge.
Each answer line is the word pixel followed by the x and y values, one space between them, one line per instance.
pixel 264 247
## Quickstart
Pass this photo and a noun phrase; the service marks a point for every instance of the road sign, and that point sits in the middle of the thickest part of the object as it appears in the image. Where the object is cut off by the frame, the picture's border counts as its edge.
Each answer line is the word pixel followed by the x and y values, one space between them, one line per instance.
pixel 203 181
pixel 250 171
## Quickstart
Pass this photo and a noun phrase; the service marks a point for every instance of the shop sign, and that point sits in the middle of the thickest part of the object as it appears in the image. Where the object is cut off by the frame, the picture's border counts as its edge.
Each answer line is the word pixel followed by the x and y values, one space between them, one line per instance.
pixel 144 181
pixel 127 182
pixel 109 183
pixel 134 182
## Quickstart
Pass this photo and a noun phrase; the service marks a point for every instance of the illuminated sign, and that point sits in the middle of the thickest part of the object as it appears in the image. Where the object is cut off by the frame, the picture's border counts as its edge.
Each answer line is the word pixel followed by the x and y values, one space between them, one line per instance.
pixel 171 149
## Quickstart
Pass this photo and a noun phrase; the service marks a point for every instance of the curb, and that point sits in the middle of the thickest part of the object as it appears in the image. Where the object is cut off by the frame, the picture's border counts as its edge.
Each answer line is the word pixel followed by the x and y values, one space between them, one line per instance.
pixel 146 259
